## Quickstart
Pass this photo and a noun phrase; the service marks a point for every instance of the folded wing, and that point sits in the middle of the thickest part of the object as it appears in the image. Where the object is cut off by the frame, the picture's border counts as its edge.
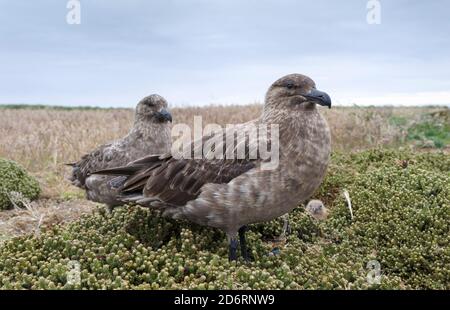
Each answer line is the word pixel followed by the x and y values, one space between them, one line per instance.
pixel 176 181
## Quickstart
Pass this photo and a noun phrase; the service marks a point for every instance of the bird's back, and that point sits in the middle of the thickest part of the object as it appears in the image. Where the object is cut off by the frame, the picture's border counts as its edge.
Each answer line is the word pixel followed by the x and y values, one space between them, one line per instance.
pixel 118 153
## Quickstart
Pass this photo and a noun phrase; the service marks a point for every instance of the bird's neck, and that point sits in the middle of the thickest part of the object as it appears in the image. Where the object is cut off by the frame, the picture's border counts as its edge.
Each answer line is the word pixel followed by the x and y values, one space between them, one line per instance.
pixel 300 131
pixel 289 120
pixel 150 132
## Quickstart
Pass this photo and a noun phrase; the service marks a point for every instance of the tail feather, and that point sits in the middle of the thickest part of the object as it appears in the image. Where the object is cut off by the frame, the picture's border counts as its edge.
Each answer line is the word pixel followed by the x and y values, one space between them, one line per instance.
pixel 138 199
pixel 146 160
pixel 125 170
pixel 146 201
pixel 130 198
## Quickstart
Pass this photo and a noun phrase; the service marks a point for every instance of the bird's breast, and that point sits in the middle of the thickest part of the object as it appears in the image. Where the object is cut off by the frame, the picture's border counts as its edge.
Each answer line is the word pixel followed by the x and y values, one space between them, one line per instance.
pixel 304 160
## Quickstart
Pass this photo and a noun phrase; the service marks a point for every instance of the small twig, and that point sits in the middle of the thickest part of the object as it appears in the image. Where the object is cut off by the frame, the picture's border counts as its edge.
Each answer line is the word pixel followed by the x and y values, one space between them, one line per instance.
pixel 32 213
pixel 349 203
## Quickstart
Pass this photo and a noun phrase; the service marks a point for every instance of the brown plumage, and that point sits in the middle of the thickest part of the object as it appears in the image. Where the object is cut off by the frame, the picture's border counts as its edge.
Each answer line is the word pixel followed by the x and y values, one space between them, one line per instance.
pixel 150 134
pixel 231 193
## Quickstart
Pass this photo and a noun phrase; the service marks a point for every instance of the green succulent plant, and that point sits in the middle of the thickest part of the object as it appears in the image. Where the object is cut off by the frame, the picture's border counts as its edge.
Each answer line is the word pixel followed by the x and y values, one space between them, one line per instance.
pixel 401 206
pixel 15 181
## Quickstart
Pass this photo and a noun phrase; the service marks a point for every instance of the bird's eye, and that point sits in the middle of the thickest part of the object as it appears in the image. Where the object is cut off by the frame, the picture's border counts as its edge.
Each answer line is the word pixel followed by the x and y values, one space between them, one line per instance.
pixel 289 85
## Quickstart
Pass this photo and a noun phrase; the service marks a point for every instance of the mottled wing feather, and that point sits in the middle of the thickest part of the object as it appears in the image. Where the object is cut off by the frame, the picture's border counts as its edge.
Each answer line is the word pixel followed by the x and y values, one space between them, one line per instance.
pixel 177 181
pixel 89 163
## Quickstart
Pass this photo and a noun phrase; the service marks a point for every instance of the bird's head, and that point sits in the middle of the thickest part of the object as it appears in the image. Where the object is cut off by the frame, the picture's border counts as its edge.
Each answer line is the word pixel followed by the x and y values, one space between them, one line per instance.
pixel 153 108
pixel 296 91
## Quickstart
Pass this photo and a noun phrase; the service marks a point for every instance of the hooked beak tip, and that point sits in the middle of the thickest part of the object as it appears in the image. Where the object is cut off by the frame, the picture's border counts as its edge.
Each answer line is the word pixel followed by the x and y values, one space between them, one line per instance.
pixel 319 97
pixel 164 115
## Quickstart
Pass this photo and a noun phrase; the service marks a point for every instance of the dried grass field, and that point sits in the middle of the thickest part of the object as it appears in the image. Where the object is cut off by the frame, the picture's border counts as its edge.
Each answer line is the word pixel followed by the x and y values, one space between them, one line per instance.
pixel 42 140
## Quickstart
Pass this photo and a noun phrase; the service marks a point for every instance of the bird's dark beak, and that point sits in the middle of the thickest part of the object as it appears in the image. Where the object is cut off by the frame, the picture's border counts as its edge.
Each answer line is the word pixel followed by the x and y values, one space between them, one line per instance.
pixel 319 97
pixel 164 115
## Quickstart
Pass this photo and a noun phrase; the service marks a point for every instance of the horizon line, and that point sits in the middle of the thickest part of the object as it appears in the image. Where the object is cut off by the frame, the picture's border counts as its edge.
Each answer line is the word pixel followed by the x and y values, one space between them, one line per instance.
pixel 212 104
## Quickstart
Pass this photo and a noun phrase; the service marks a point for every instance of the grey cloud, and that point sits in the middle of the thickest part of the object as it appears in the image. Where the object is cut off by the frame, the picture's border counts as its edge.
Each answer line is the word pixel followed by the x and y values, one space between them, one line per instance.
pixel 233 49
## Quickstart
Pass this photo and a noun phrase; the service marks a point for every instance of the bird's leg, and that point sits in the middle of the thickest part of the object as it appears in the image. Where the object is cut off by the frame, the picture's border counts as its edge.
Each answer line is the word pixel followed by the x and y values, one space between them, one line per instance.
pixel 243 242
pixel 232 249
pixel 286 227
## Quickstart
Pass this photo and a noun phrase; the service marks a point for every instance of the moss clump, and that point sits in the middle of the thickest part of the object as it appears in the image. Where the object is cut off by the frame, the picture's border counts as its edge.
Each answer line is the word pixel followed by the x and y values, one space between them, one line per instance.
pixel 15 179
pixel 401 220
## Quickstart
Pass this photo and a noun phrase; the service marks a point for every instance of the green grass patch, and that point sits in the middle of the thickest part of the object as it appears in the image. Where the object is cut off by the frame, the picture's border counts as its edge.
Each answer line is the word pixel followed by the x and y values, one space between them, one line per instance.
pixel 399 121
pixel 438 133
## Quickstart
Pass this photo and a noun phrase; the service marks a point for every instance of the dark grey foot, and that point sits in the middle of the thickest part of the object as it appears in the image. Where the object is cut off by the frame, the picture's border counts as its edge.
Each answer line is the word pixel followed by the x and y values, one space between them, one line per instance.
pixel 243 242
pixel 288 228
pixel 232 250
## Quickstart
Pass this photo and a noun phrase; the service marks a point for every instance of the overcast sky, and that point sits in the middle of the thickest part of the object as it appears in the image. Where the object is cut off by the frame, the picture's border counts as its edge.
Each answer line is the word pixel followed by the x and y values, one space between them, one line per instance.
pixel 222 51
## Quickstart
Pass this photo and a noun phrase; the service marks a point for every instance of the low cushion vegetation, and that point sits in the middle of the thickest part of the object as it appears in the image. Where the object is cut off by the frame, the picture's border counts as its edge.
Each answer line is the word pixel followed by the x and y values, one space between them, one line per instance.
pixel 15 181
pixel 401 218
